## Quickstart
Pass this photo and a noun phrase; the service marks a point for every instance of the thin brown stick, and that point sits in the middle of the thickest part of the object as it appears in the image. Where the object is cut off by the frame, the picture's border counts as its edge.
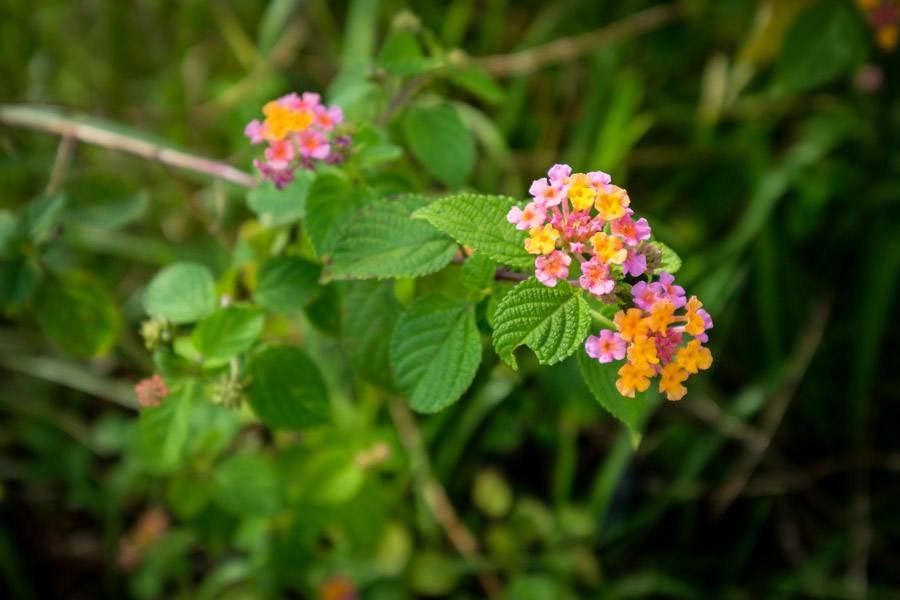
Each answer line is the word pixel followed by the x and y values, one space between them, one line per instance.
pixel 435 496
pixel 75 128
pixel 60 164
pixel 756 447
pixel 567 49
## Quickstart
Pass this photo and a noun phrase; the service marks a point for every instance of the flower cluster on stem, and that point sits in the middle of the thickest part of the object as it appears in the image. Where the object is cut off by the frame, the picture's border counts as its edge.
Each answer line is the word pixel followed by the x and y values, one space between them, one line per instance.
pixel 298 131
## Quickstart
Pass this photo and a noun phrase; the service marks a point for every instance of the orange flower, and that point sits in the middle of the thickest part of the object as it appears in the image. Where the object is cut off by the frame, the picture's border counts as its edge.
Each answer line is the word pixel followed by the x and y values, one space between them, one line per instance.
pixel 693 357
pixel 630 323
pixel 643 351
pixel 633 378
pixel 662 313
pixel 671 380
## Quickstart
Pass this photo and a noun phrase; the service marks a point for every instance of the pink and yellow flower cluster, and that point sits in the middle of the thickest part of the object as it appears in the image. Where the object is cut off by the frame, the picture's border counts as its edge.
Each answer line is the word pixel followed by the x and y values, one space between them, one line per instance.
pixel 586 217
pixel 884 17
pixel 298 131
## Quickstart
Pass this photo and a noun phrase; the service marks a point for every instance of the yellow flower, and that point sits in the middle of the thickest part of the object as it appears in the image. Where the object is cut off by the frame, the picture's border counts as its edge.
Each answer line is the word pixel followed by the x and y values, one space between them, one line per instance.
pixel 694 325
pixel 580 191
pixel 542 240
pixel 887 36
pixel 643 351
pixel 633 378
pixel 609 248
pixel 662 313
pixel 630 323
pixel 693 357
pixel 671 380
pixel 281 121
pixel 612 204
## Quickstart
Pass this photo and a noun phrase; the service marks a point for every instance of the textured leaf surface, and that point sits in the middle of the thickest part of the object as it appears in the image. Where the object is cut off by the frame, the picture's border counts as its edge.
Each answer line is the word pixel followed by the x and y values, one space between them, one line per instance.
pixel 435 351
pixel 551 321
pixel 370 311
pixel 331 203
pixel 670 261
pixel 227 332
pixel 601 380
pixel 480 222
pixel 440 141
pixel 182 293
pixel 286 388
pixel 382 240
pixel 287 283
pixel 77 312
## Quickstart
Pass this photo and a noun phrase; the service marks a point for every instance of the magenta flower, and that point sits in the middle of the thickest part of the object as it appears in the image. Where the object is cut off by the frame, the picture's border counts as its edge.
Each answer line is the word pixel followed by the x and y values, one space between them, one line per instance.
pixel 707 325
pixel 327 117
pixel 558 174
pixel 313 144
pixel 280 154
pixel 667 344
pixel 635 264
pixel 645 295
pixel 668 289
pixel 609 346
pixel 595 277
pixel 632 232
pixel 533 215
pixel 552 267
pixel 254 130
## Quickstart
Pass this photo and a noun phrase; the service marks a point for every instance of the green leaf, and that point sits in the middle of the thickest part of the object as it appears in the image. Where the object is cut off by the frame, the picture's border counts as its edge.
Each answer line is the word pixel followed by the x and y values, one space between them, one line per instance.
pixel 77 312
pixel 247 484
pixel 826 41
pixel 476 81
pixel 287 283
pixel 435 352
pixel 670 262
pixel 276 207
pixel 163 430
pixel 478 272
pixel 402 55
pixel 480 222
pixel 332 201
pixel 331 475
pixel 41 216
pixel 286 389
pixel 601 380
pixel 19 276
pixel 440 141
pixel 370 311
pixel 551 321
pixel 227 333
pixel 381 240
pixel 182 293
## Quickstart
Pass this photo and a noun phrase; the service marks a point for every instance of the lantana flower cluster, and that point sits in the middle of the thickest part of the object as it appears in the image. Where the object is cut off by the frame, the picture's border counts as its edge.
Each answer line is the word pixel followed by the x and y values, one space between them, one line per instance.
pixel 586 217
pixel 884 17
pixel 298 131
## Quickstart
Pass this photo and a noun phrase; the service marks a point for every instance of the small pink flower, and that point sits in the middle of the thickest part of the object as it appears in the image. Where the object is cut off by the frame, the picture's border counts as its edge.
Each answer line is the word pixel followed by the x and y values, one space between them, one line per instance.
pixel 668 289
pixel 645 295
pixel 533 215
pixel 309 100
pixel 313 144
pixel 666 345
pixel 595 277
pixel 558 174
pixel 599 180
pixel 707 325
pixel 576 247
pixel 632 232
pixel 552 267
pixel 609 346
pixel 151 391
pixel 547 194
pixel 635 264
pixel 254 130
pixel 279 154
pixel 326 118
pixel 280 177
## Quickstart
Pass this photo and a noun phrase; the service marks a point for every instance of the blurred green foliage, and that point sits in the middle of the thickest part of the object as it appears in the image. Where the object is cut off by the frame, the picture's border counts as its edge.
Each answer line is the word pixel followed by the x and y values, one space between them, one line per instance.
pixel 759 137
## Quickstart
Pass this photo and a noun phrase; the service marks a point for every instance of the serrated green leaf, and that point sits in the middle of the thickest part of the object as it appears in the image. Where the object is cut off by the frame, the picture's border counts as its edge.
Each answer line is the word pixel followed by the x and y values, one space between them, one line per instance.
pixel 440 141
pixel 480 222
pixel 287 283
pixel 670 262
pixel 370 311
pixel 551 321
pixel 286 389
pixel 601 381
pixel 247 484
pixel 331 203
pixel 227 332
pixel 163 430
pixel 382 240
pixel 478 272
pixel 280 207
pixel 76 311
pixel 435 352
pixel 182 293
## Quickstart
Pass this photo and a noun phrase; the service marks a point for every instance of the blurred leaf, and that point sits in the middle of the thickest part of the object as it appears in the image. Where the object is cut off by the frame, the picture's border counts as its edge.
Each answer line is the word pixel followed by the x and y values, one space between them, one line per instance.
pixel 381 240
pixel 7 231
pixel 227 332
pixel 476 81
pixel 480 222
pixel 19 277
pixel 359 35
pixel 188 494
pixel 247 484
pixel 329 475
pixel 601 380
pixel 402 55
pixel 535 587
pixel 163 430
pixel 287 283
pixel 551 321
pixel 332 201
pixel 274 20
pixel 435 352
pixel 826 41
pixel 104 203
pixel 433 574
pixel 325 310
pixel 286 389
pixel 441 142
pixel 182 293
pixel 670 262
pixel 370 311
pixel 40 217
pixel 277 207
pixel 77 312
